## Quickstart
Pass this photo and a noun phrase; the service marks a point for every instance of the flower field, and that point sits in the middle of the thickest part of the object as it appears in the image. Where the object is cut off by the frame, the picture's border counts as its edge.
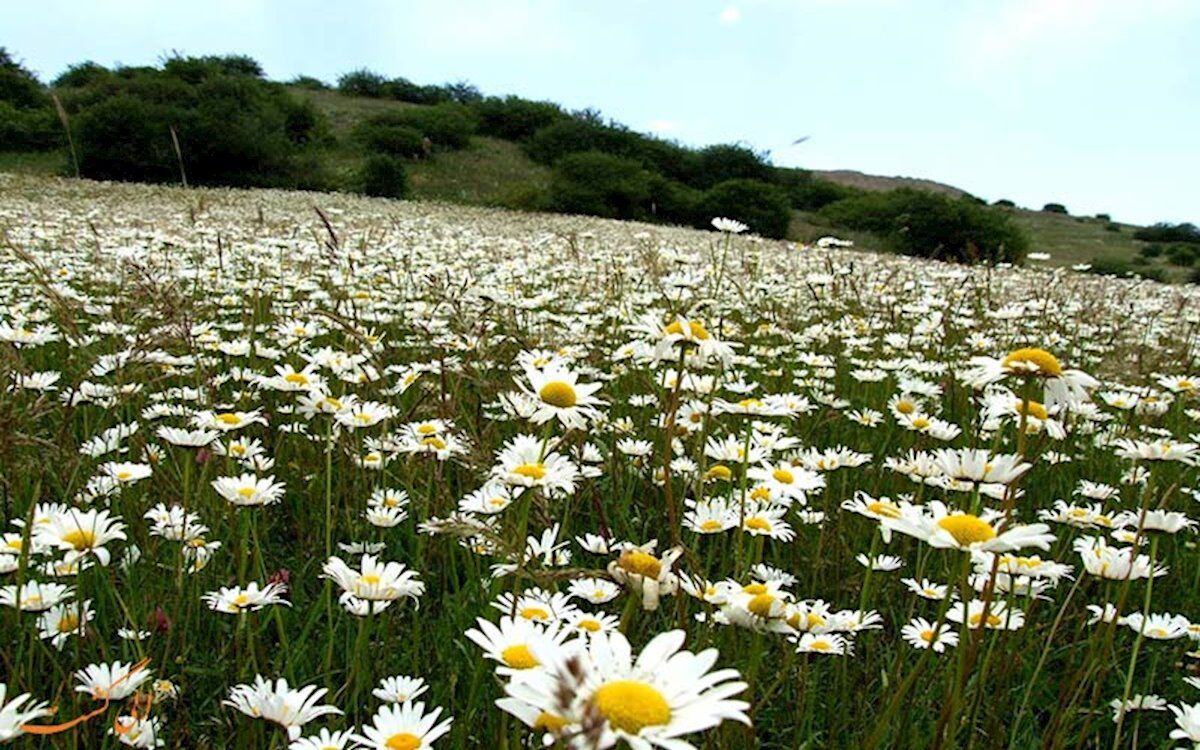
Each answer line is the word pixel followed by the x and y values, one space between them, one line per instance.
pixel 297 470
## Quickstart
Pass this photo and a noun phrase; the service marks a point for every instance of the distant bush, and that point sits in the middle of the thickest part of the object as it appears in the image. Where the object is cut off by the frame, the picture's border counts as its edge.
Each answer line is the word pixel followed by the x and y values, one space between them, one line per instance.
pixel 1166 232
pixel 1005 203
pixel 380 135
pixel 725 162
pixel 27 118
pixel 1153 250
pixel 763 207
pixel 1113 266
pixel 362 82
pixel 82 74
pixel 1111 227
pixel 673 202
pixel 1183 254
pixel 930 225
pixel 1103 217
pixel 1054 208
pixel 449 125
pixel 233 127
pixel 310 83
pixel 515 119
pixel 808 192
pixel 600 184
pixel 384 177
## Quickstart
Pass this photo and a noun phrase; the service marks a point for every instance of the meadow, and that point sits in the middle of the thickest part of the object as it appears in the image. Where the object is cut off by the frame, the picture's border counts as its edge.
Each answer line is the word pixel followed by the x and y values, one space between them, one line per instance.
pixel 317 471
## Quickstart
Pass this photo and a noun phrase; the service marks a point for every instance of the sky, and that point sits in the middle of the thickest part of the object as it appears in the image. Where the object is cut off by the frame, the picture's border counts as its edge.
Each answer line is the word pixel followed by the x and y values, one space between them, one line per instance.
pixel 1091 103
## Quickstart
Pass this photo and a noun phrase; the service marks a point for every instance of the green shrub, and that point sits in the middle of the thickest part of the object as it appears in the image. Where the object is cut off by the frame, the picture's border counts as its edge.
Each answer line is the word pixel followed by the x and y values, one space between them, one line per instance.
pixel 362 82
pixel 725 162
pixel 383 137
pixel 1183 254
pixel 761 206
pixel 448 125
pixel 29 129
pixel 1005 203
pixel 600 184
pixel 1104 217
pixel 1116 266
pixel 233 128
pixel 1152 250
pixel 808 192
pixel 309 83
pixel 1111 227
pixel 930 225
pixel 1054 208
pixel 1166 232
pixel 515 119
pixel 673 202
pixel 384 177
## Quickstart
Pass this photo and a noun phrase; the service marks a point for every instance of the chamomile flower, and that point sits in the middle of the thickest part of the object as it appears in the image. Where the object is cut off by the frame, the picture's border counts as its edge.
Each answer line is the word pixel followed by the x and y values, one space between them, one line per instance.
pixel 403 726
pixel 291 708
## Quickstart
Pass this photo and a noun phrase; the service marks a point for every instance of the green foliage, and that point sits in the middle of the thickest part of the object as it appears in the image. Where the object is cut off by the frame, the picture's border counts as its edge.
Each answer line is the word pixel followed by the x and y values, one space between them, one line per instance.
pixel 309 82
pixel 233 127
pixel 1113 266
pixel 729 162
pixel 1183 254
pixel 362 82
pixel 1152 250
pixel 19 87
pixel 449 125
pixel 1111 227
pixel 763 207
pixel 27 118
pixel 930 225
pixel 515 119
pixel 384 176
pixel 1054 208
pixel 600 184
pixel 382 135
pixel 1005 203
pixel 1104 217
pixel 808 192
pixel 1167 232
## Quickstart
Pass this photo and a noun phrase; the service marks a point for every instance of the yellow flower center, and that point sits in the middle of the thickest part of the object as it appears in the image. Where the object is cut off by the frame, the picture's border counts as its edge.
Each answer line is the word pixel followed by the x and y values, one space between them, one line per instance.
pixel 761 605
pixel 369 579
pixel 68 623
pixel 755 588
pixel 533 471
pixel 920 423
pixel 719 471
pixel 296 378
pixel 905 406
pixel 696 328
pixel 534 613
pixel 1033 409
pixel 549 722
pixel 711 525
pixel 758 524
pixel 241 600
pixel 783 476
pixel 80 539
pixel 426 429
pixel 967 529
pixel 760 493
pixel 642 563
pixel 592 626
pixel 927 635
pixel 632 706
pixel 434 442
pixel 403 741
pixel 750 403
pixel 1039 361
pixel 228 418
pixel 884 508
pixel 557 393
pixel 124 475
pixel 519 657
pixel 993 620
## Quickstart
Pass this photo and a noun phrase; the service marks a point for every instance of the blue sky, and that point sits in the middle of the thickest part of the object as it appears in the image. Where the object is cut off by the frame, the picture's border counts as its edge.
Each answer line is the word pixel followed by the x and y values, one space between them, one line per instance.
pixel 1091 103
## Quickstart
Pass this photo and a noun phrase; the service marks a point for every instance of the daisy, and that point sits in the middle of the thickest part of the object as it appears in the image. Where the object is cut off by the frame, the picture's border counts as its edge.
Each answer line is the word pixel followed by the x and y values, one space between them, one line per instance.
pixel 249 490
pixel 275 701
pixel 515 641
pixel 938 526
pixel 62 621
pixel 375 580
pixel 650 701
pixel 821 643
pixel 236 600
pixel 525 462
pixel 561 396
pixel 81 533
pixel 999 615
pixel 399 689
pixel 638 569
pixel 788 482
pixel 403 726
pixel 34 596
pixel 1160 627
pixel 111 682
pixel 920 633
pixel 594 590
pixel 18 712
pixel 323 740
pixel 126 473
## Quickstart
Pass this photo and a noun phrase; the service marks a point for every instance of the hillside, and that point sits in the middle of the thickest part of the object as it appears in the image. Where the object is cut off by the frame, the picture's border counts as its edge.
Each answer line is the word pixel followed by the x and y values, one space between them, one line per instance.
pixel 492 171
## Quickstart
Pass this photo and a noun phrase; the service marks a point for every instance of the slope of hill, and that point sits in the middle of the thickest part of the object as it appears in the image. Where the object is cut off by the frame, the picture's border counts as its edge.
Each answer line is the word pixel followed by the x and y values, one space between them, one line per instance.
pixel 862 181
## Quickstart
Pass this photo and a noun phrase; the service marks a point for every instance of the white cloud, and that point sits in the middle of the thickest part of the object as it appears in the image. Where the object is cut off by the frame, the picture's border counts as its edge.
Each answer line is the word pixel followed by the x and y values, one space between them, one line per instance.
pixel 731 14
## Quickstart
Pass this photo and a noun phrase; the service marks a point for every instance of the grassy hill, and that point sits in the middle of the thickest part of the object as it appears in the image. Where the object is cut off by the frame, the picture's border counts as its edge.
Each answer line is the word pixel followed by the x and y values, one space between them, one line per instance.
pixel 496 172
